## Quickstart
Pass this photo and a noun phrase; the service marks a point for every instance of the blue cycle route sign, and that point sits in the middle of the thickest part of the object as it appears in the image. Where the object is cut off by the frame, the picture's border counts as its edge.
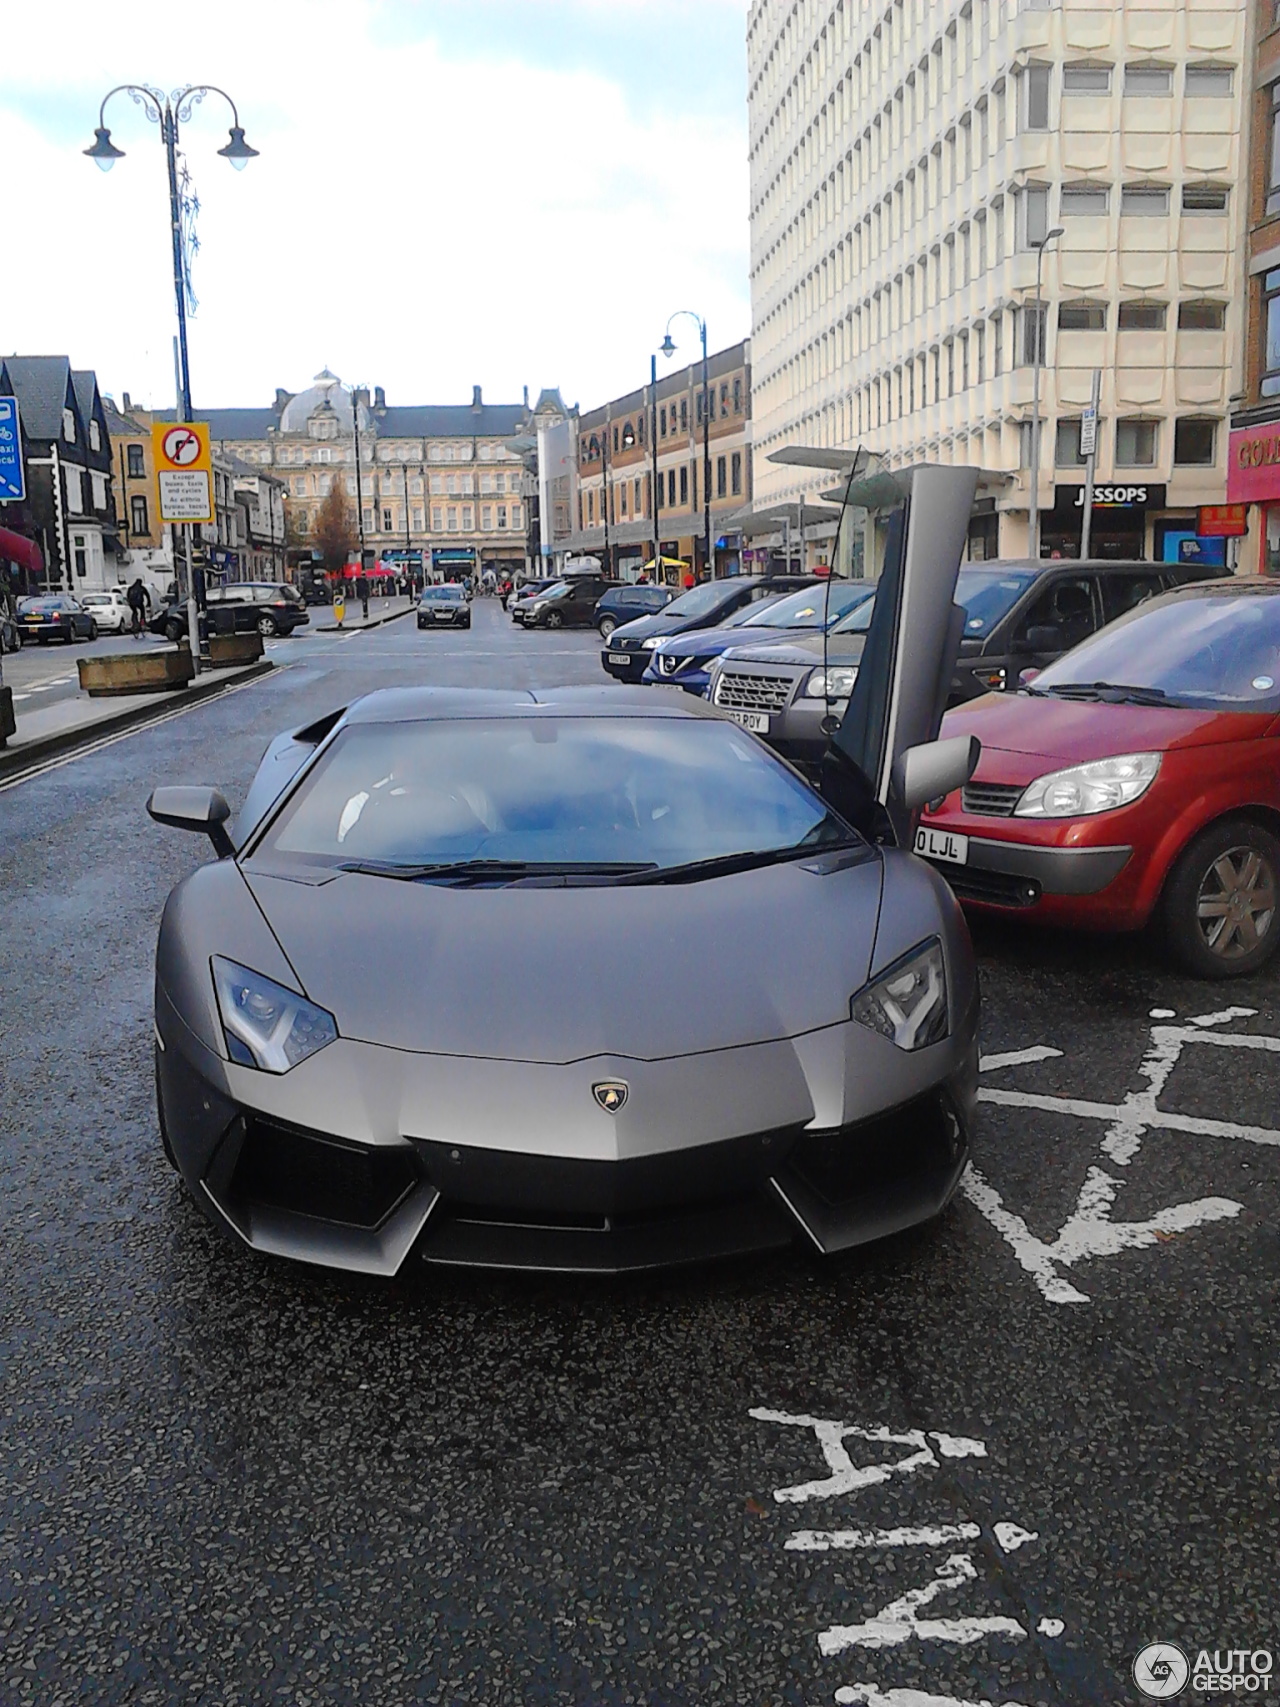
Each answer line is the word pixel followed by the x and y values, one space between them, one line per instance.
pixel 12 483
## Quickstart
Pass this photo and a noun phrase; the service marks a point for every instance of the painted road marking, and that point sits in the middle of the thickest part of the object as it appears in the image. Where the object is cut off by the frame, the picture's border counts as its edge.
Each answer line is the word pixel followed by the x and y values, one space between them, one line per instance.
pixel 910 1616
pixel 1089 1233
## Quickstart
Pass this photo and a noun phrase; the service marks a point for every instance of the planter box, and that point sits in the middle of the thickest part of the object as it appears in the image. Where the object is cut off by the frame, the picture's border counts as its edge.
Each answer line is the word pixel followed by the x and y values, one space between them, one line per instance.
pixel 7 725
pixel 136 672
pixel 227 649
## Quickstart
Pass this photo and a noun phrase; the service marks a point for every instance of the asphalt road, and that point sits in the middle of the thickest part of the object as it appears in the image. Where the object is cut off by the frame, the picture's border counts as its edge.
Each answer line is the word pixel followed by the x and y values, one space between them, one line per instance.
pixel 985 1463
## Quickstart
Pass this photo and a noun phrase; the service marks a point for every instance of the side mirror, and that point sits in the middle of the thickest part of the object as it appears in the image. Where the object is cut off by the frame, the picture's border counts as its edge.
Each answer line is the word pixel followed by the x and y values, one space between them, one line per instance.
pixel 1042 637
pixel 1026 677
pixel 185 808
pixel 928 772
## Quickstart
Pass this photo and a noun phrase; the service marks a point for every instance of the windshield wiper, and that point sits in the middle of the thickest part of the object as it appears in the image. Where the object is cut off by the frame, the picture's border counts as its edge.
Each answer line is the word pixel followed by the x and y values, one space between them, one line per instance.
pixel 494 870
pixel 723 865
pixel 1114 693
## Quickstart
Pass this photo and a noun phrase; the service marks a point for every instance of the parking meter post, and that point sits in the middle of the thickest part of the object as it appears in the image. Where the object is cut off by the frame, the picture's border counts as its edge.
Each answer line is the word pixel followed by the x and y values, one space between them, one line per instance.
pixel 1089 445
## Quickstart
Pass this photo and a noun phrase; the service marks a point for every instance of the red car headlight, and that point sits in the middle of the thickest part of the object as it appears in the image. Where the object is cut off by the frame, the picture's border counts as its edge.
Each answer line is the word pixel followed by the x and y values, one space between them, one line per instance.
pixel 1081 790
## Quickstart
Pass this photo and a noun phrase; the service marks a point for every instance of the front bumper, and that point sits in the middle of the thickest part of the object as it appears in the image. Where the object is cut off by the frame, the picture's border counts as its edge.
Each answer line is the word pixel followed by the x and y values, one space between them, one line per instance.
pixel 371 1195
pixel 634 668
pixel 1014 876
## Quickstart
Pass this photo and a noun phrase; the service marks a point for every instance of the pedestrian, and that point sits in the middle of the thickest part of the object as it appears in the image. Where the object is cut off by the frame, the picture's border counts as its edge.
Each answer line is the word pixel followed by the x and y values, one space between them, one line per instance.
pixel 139 599
pixel 362 593
pixel 687 579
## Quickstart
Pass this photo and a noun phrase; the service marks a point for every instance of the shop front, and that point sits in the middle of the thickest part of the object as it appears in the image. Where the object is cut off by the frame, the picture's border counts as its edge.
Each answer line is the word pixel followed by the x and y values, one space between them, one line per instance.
pixel 1253 479
pixel 1118 529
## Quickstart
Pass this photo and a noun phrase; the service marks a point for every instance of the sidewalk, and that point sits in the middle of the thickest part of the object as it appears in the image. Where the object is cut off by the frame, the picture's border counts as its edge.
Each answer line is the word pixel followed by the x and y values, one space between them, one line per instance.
pixel 353 622
pixel 68 724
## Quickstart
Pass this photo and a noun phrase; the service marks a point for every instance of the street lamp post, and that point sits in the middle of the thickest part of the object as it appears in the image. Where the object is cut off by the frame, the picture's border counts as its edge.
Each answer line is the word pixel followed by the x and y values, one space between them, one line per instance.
pixel 655 494
pixel 668 349
pixel 1042 329
pixel 169 111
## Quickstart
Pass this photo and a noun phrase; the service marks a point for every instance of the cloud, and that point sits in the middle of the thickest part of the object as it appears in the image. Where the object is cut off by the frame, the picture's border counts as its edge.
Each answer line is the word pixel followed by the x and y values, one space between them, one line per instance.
pixel 439 202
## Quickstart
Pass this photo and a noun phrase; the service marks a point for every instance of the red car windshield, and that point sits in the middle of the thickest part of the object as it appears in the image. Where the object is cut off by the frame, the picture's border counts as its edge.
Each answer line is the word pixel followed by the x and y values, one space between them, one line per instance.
pixel 1211 650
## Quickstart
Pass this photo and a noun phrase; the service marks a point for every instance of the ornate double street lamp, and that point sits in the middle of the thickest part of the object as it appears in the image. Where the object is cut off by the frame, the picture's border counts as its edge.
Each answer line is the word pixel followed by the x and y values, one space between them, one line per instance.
pixel 169 111
pixel 668 349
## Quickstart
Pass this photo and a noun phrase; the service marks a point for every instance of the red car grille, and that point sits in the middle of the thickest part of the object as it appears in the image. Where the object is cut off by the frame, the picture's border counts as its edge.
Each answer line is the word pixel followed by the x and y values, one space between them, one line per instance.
pixel 992 799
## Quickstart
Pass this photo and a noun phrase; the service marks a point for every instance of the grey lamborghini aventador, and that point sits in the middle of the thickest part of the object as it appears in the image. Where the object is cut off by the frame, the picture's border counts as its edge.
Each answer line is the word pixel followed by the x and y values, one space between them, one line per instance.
pixel 581 979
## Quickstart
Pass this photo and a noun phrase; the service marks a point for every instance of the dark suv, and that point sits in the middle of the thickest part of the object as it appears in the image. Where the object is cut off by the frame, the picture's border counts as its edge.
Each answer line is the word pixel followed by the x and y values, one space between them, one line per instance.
pixel 271 607
pixel 628 648
pixel 1023 614
pixel 625 603
pixel 570 603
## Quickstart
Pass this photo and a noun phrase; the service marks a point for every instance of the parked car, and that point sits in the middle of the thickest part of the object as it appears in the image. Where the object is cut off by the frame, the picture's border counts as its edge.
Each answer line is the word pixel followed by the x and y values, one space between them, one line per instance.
pixel 685 660
pixel 1136 778
pixel 527 590
pixel 270 607
pixel 1023 614
pixel 626 601
pixel 55 616
pixel 110 610
pixel 709 605
pixel 569 603
pixel 444 606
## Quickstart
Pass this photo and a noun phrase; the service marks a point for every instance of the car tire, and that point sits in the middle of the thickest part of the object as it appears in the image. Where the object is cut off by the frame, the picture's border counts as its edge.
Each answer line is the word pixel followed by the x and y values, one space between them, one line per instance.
pixel 267 626
pixel 1219 906
pixel 93 630
pixel 173 630
pixel 606 625
pixel 553 619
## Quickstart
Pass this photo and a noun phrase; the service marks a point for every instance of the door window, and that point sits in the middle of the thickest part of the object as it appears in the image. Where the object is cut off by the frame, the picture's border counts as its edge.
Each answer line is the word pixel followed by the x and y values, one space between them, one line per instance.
pixel 1121 593
pixel 1065 613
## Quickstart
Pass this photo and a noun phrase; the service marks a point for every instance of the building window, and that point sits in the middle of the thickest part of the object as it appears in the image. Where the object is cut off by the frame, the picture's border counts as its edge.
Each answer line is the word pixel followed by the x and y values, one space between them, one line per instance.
pixel 684 414
pixel 622 494
pixel 1033 316
pixel 724 399
pixel 1273 154
pixel 368 521
pixel 980 356
pixel 591 506
pixel 95 437
pixel 1194 443
pixel 671 488
pixel 628 437
pixel 80 554
pixel 417 518
pixel 1144 201
pixel 615 441
pixel 1204 198
pixel 1033 215
pixel 138 515
pixel 737 396
pixel 1208 80
pixel 69 427
pixel 722 478
pixel 1086 80
pixel 1082 317
pixel 997 346
pixel 637 503
pixel 1136 444
pixel 486 518
pixel 684 486
pixel 1201 316
pixel 1066 445
pixel 517 518
pixel 137 468
pixel 468 518
pixel 436 519
pixel 662 421
pixel 386 521
pixel 1142 316
pixel 75 492
pixel 1143 80
pixel 1082 200
pixel 735 472
pixel 1035 97
pixel 452 519
pixel 502 515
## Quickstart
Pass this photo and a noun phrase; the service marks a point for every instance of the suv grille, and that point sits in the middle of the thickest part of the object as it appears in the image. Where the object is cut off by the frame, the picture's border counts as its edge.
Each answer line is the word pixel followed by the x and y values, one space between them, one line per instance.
pixel 992 799
pixel 737 691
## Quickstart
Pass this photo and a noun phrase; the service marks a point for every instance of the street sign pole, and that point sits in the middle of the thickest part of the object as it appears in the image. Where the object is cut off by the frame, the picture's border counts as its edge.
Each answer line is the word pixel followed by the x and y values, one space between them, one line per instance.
pixel 1089 450
pixel 13 486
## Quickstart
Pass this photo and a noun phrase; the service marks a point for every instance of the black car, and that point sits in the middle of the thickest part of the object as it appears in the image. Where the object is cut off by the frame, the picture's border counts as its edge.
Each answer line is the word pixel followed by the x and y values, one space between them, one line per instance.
pixel 528 590
pixel 628 647
pixel 56 616
pixel 446 606
pixel 625 603
pixel 1024 613
pixel 270 607
pixel 570 603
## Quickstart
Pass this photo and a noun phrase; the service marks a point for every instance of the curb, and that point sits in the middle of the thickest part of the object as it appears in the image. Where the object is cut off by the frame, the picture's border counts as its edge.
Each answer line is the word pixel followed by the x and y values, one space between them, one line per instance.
pixel 33 754
pixel 374 622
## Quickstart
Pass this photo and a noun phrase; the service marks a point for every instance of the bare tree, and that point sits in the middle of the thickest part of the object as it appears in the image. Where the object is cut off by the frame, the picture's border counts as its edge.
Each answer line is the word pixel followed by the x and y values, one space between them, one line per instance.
pixel 334 535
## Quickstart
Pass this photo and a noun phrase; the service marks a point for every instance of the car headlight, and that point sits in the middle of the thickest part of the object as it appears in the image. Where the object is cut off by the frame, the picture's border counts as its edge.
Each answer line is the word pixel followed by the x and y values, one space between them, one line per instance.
pixel 266 1025
pixel 648 645
pixel 834 683
pixel 908 1003
pixel 1099 786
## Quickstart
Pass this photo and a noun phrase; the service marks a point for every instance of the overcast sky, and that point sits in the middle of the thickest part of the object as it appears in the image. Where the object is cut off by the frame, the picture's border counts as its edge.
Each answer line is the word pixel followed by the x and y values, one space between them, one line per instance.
pixel 450 192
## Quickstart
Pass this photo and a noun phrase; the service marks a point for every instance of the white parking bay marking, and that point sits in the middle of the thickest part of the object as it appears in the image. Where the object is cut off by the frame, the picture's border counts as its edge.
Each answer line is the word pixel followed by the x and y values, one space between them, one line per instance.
pixel 836 1540
pixel 1017 1058
pixel 1089 1233
pixel 900 1622
pixel 867 1695
pixel 846 1475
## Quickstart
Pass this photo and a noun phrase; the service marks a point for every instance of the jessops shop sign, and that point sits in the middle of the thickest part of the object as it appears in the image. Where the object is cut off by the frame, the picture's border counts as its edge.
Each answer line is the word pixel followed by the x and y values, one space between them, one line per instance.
pixel 1140 495
pixel 1253 465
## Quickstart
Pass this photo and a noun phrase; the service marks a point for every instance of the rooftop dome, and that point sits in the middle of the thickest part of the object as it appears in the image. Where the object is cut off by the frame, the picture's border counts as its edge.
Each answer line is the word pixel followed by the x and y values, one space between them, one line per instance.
pixel 325 391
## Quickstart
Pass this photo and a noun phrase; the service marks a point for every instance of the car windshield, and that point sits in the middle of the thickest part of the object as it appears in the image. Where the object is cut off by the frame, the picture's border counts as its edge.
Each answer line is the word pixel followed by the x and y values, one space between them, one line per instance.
pixel 701 601
pixel 557 590
pixel 858 620
pixel 450 595
pixel 1215 651
pixel 809 607
pixel 604 792
pixel 987 594
pixel 32 606
pixel 97 599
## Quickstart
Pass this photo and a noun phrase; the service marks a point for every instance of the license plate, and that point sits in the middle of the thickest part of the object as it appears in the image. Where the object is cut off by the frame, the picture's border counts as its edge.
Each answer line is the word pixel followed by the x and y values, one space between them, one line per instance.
pixel 619 657
pixel 755 721
pixel 942 844
pixel 443 615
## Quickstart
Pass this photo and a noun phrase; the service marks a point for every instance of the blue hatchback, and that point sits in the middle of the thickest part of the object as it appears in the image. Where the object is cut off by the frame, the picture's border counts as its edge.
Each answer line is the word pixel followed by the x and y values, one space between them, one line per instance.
pixel 685 660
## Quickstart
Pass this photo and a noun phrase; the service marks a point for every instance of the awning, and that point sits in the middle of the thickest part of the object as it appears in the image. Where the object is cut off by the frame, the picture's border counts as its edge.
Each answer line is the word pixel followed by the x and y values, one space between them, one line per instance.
pixel 18 549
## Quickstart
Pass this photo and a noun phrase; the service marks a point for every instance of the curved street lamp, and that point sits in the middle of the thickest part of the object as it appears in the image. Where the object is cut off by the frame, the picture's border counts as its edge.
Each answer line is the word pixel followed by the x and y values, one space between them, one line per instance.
pixel 168 111
pixel 668 349
pixel 1042 335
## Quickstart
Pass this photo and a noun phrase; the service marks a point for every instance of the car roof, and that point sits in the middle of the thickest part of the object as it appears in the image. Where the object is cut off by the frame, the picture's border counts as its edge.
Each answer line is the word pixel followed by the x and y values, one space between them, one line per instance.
pixel 424 704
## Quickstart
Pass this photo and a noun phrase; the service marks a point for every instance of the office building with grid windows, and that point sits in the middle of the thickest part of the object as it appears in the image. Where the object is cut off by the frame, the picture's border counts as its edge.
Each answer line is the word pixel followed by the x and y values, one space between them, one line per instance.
pixel 909 163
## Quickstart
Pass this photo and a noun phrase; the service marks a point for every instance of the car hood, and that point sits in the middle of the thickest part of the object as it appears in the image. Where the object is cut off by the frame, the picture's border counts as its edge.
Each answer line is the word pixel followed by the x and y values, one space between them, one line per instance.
pixel 558 975
pixel 712 641
pixel 657 622
pixel 841 649
pixel 1076 731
